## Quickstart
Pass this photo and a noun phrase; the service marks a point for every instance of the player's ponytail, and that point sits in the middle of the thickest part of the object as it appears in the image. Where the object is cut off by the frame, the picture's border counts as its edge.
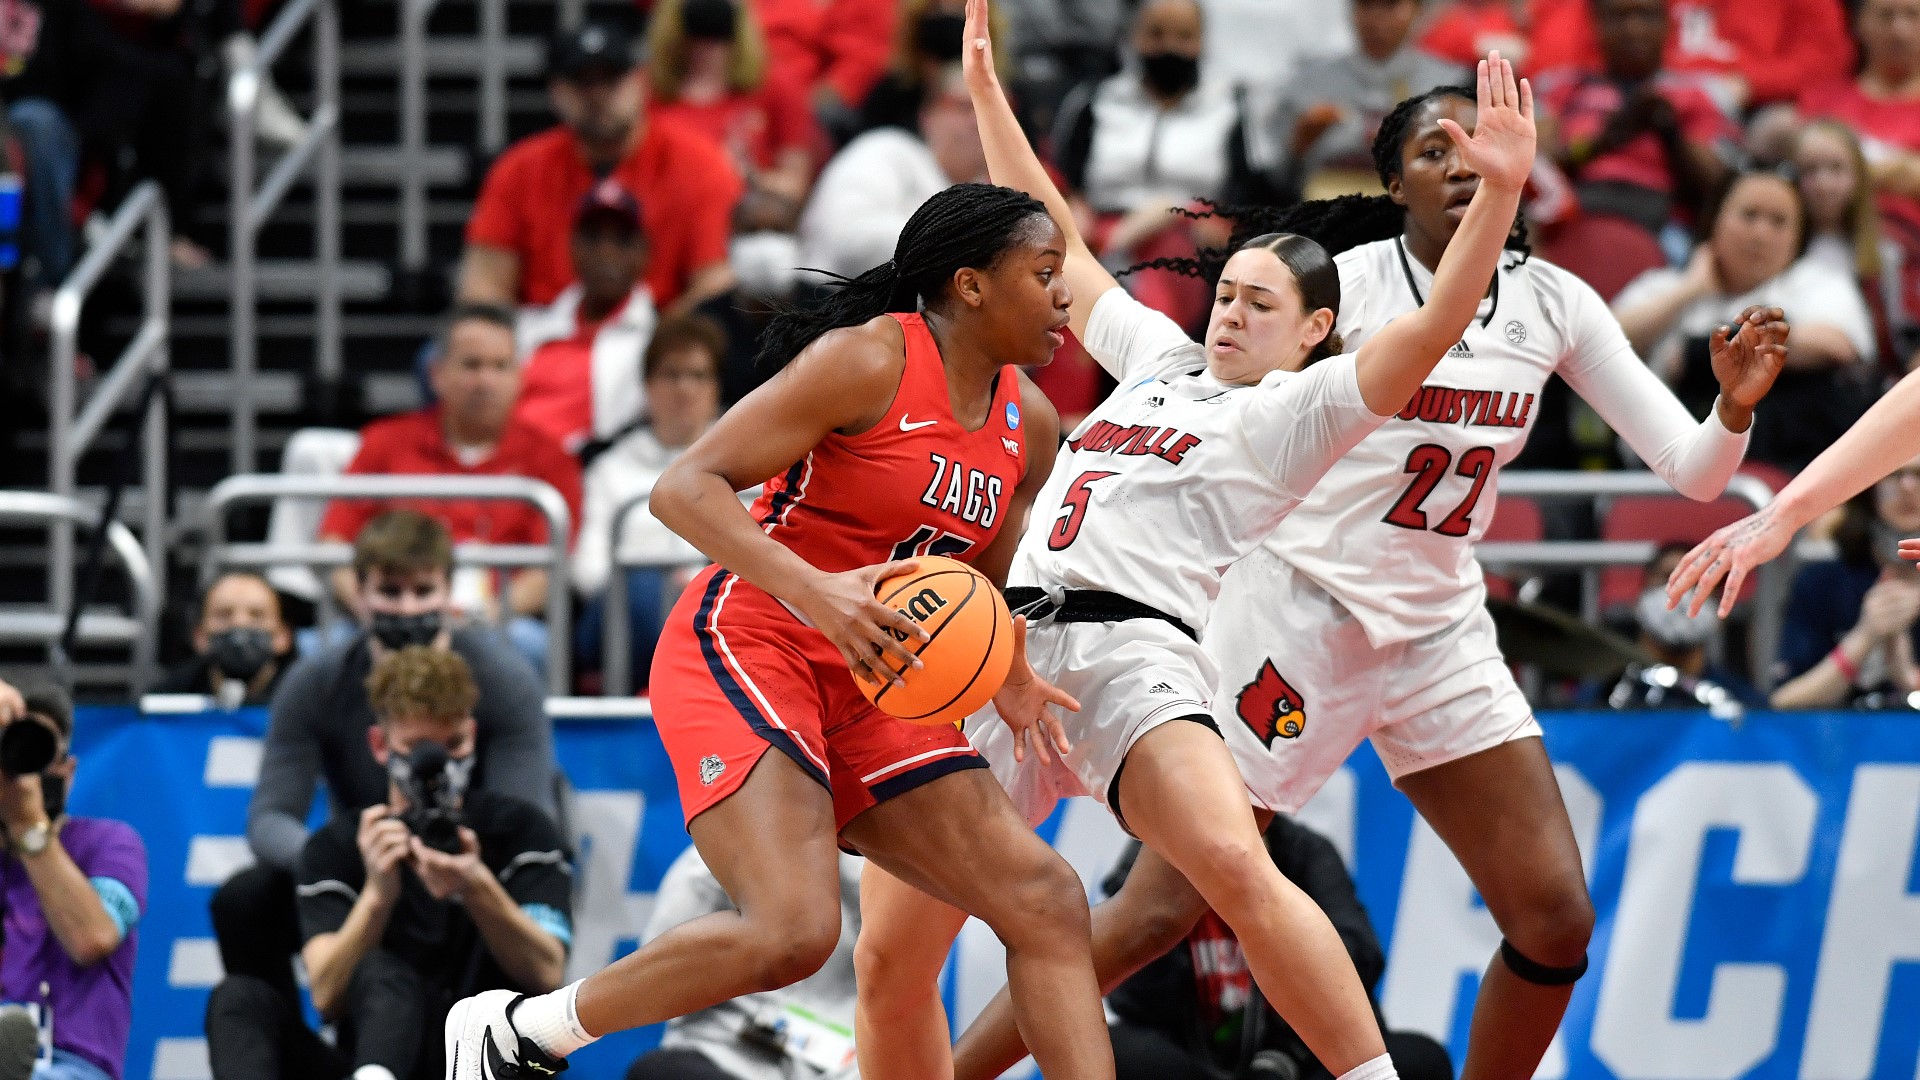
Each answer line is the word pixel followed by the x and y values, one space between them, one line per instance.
pixel 965 225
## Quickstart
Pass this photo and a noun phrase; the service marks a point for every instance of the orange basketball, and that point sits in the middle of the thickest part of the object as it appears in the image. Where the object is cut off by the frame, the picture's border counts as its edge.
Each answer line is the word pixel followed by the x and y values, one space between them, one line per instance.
pixel 968 652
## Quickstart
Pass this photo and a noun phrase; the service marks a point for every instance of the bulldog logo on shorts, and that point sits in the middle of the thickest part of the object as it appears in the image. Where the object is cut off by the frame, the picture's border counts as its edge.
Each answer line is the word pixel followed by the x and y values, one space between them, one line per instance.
pixel 710 769
pixel 1272 707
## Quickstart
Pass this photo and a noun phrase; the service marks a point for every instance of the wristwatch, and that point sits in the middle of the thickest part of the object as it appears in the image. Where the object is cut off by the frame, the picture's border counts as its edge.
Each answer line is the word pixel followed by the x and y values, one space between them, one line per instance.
pixel 34 840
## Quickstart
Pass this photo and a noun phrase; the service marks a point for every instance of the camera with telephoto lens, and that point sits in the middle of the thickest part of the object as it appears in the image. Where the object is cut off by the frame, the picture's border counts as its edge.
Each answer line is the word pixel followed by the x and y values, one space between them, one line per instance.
pixel 434 785
pixel 27 747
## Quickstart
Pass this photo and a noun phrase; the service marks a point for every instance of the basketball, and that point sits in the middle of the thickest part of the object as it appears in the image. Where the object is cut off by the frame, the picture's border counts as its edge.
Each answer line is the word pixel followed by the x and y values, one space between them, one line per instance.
pixel 967 653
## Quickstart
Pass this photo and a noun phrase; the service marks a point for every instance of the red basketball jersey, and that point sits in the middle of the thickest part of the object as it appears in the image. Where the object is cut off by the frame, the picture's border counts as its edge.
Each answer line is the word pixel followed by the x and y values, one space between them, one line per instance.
pixel 914 484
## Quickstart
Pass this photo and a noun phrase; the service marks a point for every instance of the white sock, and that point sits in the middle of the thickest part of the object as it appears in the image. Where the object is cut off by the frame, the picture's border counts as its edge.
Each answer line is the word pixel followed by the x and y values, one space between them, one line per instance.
pixel 373 1072
pixel 1380 1068
pixel 552 1023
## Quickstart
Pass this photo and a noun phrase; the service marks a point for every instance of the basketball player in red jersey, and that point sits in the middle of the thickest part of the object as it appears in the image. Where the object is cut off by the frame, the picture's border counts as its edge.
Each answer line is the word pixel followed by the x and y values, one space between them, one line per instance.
pixel 885 437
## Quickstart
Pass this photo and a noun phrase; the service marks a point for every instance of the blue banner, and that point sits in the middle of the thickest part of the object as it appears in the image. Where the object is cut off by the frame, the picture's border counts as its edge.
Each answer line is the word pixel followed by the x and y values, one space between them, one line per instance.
pixel 1759 909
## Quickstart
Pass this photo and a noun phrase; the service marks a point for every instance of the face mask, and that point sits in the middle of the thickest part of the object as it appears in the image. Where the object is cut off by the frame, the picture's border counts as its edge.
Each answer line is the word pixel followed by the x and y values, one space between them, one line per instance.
pixel 399 631
pixel 765 263
pixel 53 793
pixel 239 652
pixel 1675 629
pixel 708 20
pixel 1170 73
pixel 938 34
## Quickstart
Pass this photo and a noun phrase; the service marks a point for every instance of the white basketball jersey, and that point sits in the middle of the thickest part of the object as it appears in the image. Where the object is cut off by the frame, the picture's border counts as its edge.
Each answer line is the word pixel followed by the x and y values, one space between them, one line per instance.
pixel 1390 530
pixel 1177 476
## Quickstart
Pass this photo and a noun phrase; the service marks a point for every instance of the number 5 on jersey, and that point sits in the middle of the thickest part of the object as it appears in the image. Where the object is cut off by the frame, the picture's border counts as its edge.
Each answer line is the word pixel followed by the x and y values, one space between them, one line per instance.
pixel 1073 511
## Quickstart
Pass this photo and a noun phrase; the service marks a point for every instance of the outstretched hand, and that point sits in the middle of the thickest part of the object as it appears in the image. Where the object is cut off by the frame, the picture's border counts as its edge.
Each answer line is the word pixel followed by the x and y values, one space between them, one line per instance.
pixel 1748 356
pixel 1501 148
pixel 1728 555
pixel 1910 549
pixel 1025 702
pixel 976 48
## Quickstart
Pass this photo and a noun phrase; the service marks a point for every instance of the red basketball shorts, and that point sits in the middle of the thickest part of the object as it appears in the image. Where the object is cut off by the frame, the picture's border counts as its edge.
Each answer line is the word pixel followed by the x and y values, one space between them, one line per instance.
pixel 736 673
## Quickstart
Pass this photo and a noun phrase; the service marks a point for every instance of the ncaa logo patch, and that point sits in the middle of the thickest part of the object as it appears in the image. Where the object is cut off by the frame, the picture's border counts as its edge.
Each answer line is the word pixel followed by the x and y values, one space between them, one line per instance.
pixel 1517 332
pixel 710 769
pixel 1013 416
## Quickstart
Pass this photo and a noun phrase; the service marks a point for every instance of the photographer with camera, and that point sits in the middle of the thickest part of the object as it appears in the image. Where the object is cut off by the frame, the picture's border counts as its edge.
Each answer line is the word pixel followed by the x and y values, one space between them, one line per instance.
pixel 1195 1013
pixel 317 729
pixel 439 892
pixel 73 890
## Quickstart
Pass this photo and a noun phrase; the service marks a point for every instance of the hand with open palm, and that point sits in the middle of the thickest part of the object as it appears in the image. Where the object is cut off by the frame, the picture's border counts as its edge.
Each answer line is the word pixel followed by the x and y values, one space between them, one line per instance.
pixel 1501 147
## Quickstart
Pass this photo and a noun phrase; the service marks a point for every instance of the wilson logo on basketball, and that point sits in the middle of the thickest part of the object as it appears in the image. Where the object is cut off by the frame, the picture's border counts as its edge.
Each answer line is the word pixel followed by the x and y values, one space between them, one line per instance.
pixel 1272 707
pixel 919 609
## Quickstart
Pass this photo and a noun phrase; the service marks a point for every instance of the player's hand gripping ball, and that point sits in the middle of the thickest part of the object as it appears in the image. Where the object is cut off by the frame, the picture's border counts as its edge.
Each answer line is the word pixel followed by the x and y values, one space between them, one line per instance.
pixel 969 646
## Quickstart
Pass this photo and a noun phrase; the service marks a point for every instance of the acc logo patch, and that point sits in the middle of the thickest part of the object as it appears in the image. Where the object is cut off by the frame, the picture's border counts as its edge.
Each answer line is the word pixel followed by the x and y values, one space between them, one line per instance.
pixel 1271 707
pixel 1517 332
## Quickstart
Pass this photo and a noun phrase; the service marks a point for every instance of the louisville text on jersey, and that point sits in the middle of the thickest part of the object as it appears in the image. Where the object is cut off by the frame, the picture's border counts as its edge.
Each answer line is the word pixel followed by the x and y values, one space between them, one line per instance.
pixel 1136 440
pixel 965 492
pixel 1469 408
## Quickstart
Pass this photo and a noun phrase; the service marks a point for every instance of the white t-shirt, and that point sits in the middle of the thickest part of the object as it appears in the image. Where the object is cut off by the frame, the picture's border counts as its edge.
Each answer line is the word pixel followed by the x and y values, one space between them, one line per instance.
pixel 1178 475
pixel 1390 530
pixel 863 199
pixel 626 471
pixel 1810 292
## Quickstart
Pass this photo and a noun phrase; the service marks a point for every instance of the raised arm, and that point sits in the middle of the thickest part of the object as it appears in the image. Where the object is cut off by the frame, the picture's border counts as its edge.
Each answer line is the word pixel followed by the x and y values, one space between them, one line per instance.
pixel 1394 362
pixel 1012 163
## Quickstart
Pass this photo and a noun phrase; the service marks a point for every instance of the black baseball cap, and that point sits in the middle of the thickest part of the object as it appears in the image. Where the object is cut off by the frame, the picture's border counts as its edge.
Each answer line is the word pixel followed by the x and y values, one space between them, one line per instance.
pixel 597 45
pixel 607 198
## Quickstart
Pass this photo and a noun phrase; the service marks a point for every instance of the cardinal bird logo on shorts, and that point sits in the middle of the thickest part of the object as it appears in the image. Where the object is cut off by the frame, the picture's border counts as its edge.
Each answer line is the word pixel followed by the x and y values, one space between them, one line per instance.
pixel 1272 707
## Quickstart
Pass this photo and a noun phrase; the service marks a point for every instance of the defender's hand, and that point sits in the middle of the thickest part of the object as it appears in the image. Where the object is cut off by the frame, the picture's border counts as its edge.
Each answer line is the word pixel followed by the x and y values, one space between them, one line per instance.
pixel 1024 701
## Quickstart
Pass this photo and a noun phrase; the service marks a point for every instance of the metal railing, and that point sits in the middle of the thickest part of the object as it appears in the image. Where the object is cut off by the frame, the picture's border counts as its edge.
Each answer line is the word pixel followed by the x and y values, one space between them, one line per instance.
pixel 616 638
pixel 45 626
pixel 1591 558
pixel 69 435
pixel 249 207
pixel 551 556
pixel 492 81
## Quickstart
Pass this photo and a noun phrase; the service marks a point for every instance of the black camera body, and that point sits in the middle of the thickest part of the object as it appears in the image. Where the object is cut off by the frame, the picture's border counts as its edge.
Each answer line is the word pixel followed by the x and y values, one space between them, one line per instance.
pixel 434 785
pixel 27 747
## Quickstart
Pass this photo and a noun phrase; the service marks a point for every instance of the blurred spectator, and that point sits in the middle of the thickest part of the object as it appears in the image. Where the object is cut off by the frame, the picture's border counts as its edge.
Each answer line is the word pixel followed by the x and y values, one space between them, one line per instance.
pixel 802 1032
pixel 1753 51
pixel 469 431
pixel 1881 105
pixel 1843 227
pixel 1850 636
pixel 1639 143
pixel 867 192
pixel 434 893
pixel 1195 1014
pixel 709 71
pixel 1750 255
pixel 1316 134
pixel 837 49
pixel 683 399
pixel 1262 43
pixel 1463 31
pixel 74 890
pixel 53 55
pixel 1155 136
pixel 581 381
pixel 317 730
pixel 1056 45
pixel 241 644
pixel 517 237
pixel 1683 674
pixel 926 48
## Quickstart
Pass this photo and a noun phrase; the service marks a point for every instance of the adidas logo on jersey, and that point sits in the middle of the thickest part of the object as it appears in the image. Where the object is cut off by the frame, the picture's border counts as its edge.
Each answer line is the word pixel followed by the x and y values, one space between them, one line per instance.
pixel 1160 688
pixel 1460 350
pixel 1155 402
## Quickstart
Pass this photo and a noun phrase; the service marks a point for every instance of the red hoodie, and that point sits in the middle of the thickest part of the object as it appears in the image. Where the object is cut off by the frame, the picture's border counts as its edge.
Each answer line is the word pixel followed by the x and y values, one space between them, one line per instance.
pixel 843 43
pixel 1779 46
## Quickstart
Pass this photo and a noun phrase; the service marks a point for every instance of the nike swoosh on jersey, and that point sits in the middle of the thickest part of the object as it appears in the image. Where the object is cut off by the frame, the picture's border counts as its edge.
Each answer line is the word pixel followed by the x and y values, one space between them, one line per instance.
pixel 904 426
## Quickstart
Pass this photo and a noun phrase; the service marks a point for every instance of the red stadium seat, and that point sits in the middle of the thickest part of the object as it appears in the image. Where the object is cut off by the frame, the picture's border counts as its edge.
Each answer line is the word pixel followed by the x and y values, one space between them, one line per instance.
pixel 1605 252
pixel 1662 519
pixel 1515 520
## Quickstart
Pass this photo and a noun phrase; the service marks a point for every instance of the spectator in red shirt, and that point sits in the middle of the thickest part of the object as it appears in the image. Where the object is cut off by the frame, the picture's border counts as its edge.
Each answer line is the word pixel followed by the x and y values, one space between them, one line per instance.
pixel 469 432
pixel 581 381
pixel 1882 106
pixel 1463 31
pixel 517 246
pixel 1755 51
pixel 1640 143
pixel 835 48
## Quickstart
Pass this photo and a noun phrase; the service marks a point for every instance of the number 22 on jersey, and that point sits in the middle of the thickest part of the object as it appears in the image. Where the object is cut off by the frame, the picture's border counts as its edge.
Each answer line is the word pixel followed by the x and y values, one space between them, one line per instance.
pixel 1429 464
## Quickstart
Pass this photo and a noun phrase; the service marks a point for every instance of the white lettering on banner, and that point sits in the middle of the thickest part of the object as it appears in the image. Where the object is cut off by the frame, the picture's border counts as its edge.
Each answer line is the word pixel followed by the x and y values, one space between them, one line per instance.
pixel 1331 812
pixel 1873 923
pixel 1634 1030
pixel 1443 931
pixel 604 912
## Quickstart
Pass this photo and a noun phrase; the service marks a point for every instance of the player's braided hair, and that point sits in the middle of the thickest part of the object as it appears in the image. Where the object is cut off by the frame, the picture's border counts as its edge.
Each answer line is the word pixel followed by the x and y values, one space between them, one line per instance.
pixel 965 225
pixel 1335 224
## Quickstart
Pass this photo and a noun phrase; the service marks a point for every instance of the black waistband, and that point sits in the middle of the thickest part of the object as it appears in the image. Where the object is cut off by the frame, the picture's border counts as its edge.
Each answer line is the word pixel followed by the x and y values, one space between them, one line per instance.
pixel 1086 605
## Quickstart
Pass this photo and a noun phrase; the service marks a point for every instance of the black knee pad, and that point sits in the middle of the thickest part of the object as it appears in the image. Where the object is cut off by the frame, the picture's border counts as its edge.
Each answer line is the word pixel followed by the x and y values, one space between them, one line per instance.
pixel 1537 973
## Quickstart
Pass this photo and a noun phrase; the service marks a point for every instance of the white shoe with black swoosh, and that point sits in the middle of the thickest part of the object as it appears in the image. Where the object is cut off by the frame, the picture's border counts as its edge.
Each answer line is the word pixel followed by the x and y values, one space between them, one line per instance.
pixel 482 1043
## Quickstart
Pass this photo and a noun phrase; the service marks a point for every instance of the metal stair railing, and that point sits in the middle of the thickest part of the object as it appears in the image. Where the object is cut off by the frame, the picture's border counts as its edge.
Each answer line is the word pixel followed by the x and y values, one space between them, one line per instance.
pixel 1592 557
pixel 616 644
pixel 552 556
pixel 45 625
pixel 249 207
pixel 70 435
pixel 492 80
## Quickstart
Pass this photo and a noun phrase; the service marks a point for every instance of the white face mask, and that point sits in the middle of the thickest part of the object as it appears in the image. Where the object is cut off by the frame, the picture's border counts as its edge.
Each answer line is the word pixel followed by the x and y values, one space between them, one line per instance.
pixel 1675 628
